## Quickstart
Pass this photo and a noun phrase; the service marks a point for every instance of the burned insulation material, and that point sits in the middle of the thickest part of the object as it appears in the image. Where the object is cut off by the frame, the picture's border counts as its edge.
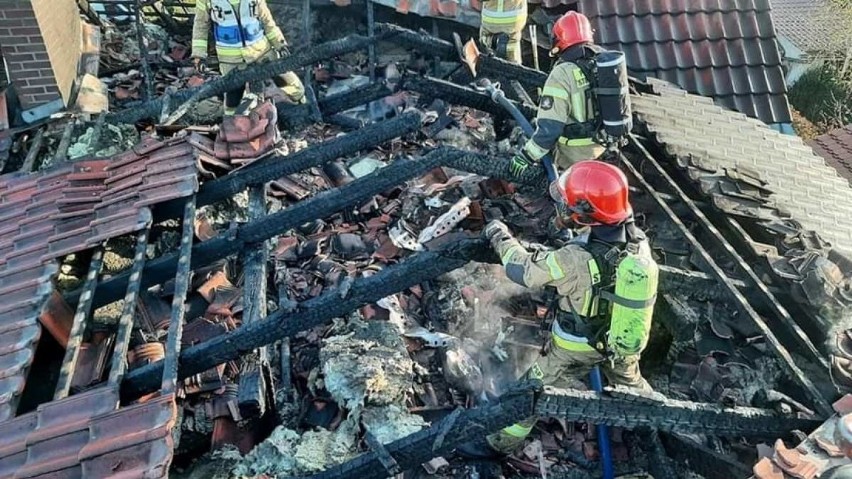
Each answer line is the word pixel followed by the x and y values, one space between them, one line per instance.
pixel 389 423
pixel 367 366
pixel 287 452
pixel 114 139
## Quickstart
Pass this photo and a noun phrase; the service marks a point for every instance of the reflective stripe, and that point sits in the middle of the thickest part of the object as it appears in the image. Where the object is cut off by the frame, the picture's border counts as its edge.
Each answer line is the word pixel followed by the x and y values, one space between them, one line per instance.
pixel 555 92
pixel 503 18
pixel 534 151
pixel 578 106
pixel 588 300
pixel 580 77
pixel 555 270
pixel 516 430
pixel 199 44
pixel 568 341
pixel 576 141
pixel 508 254
pixel 499 13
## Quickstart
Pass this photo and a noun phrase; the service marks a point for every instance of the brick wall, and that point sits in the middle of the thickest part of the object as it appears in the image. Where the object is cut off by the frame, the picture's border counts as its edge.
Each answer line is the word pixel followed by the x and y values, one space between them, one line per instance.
pixel 61 29
pixel 40 41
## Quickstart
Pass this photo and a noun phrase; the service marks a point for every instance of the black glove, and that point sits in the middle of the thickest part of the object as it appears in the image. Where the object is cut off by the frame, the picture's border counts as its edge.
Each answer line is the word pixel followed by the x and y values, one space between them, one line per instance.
pixel 200 64
pixel 283 51
pixel 519 164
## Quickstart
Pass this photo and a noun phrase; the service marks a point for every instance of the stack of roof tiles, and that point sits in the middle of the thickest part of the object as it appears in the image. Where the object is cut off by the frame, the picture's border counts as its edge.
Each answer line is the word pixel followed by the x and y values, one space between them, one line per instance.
pixel 723 50
pixel 68 209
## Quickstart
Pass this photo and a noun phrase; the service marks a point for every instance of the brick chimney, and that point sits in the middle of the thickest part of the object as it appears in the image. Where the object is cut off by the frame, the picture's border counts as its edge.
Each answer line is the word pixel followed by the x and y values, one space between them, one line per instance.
pixel 40 41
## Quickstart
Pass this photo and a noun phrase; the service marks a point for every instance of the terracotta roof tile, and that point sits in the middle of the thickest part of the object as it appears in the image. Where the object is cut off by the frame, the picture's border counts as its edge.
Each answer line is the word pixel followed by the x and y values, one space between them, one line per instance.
pixel 836 148
pixel 68 209
pixel 723 50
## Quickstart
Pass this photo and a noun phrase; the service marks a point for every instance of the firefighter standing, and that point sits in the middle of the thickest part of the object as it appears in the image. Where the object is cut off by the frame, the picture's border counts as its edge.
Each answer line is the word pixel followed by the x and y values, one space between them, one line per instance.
pixel 567 112
pixel 245 33
pixel 501 25
pixel 606 283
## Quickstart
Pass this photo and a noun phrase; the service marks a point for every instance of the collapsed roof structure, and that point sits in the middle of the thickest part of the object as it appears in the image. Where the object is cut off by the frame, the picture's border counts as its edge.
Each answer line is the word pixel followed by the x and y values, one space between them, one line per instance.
pixel 750 227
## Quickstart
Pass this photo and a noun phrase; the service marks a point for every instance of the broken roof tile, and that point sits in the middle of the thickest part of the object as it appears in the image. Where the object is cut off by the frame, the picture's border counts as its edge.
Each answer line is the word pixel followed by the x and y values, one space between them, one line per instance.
pixel 724 50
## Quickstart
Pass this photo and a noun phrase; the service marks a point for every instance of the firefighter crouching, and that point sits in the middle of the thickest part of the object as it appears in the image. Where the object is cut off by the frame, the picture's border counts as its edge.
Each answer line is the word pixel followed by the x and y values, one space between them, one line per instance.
pixel 245 33
pixel 501 26
pixel 571 113
pixel 606 282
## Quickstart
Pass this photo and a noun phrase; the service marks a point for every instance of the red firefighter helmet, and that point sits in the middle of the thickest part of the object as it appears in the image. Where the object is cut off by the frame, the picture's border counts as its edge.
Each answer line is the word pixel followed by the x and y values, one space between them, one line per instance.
pixel 596 193
pixel 571 29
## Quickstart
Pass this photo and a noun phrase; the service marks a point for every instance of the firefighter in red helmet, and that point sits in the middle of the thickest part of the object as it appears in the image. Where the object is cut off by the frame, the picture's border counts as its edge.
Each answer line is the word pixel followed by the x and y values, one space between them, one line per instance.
pixel 605 282
pixel 567 112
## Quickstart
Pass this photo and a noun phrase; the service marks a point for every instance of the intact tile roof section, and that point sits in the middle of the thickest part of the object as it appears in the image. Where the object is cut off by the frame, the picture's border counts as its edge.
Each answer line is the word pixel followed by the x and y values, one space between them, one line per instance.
pixel 836 148
pixel 68 209
pixel 803 22
pixel 712 141
pixel 726 50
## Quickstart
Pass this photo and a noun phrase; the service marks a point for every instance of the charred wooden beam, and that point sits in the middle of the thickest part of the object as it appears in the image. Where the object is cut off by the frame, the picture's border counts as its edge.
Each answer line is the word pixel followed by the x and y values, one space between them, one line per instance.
pixel 332 304
pixel 253 389
pixel 443 437
pixel 262 71
pixel 819 401
pixel 488 65
pixel 460 95
pixel 320 206
pixel 274 167
pixel 329 106
pixel 152 108
pixel 622 409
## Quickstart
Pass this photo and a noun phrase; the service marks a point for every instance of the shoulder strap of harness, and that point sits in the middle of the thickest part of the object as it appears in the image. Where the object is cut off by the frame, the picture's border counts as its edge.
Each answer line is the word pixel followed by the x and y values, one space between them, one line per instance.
pixel 586 63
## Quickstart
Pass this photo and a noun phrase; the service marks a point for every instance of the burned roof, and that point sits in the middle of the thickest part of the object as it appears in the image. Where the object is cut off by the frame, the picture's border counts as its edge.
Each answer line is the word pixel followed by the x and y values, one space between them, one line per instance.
pixel 68 209
pixel 787 179
pixel 836 148
pixel 723 50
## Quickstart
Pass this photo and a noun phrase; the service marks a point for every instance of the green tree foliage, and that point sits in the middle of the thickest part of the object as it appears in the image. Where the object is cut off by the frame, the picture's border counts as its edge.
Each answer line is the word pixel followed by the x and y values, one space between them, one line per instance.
pixel 822 97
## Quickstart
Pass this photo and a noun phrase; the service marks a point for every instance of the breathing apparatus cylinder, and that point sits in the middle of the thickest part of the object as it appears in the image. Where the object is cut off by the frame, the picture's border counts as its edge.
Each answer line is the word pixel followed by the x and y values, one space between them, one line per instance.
pixel 613 93
pixel 636 281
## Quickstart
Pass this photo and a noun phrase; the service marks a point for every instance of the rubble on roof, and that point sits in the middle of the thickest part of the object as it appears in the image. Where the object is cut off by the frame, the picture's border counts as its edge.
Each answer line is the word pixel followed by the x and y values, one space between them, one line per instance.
pixel 405 376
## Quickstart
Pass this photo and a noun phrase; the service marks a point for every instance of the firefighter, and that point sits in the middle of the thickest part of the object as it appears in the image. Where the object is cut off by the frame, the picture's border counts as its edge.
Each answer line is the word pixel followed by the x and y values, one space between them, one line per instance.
pixel 245 33
pixel 605 282
pixel 501 25
pixel 567 112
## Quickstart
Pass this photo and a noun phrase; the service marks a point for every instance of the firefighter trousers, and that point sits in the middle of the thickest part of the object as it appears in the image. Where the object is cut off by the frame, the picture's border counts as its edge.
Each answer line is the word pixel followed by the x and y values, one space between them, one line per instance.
pixel 513 47
pixel 560 368
pixel 289 83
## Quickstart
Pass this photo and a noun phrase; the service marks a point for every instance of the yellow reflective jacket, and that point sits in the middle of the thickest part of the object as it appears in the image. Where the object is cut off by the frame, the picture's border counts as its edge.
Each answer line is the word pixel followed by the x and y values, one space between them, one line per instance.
pixel 243 30
pixel 504 16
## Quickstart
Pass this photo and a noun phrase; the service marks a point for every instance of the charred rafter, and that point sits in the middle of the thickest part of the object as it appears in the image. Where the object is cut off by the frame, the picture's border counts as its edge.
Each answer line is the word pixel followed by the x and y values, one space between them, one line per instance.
pixel 627 410
pixel 459 95
pixel 320 206
pixel 153 108
pixel 273 167
pixel 281 324
pixel 488 65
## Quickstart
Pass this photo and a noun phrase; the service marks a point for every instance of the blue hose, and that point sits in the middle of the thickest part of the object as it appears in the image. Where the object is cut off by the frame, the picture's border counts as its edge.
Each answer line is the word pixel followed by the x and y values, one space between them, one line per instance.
pixel 500 98
pixel 597 382
pixel 603 430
